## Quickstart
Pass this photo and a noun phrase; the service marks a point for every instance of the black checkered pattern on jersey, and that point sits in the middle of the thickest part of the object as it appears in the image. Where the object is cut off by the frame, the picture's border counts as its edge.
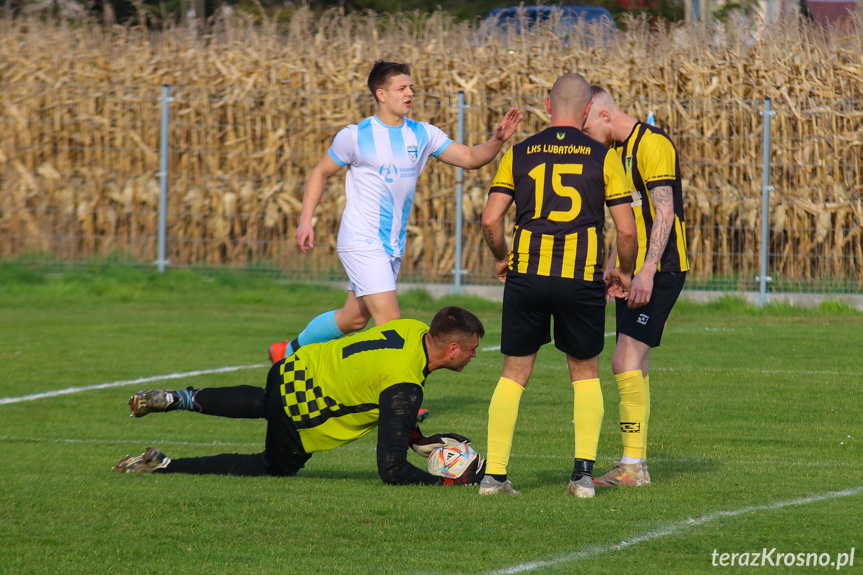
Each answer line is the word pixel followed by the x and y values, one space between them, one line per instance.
pixel 306 403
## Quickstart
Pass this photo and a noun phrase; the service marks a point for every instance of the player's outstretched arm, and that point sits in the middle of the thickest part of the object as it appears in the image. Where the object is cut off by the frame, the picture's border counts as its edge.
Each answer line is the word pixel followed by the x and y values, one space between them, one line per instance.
pixel 312 193
pixel 477 156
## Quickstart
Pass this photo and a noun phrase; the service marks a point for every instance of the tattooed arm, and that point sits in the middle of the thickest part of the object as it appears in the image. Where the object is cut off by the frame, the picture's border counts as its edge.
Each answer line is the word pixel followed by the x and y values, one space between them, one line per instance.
pixel 663 220
pixel 492 230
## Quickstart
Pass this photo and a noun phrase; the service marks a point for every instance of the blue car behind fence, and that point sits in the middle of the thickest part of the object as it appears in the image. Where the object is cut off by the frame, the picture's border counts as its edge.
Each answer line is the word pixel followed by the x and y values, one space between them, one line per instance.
pixel 569 18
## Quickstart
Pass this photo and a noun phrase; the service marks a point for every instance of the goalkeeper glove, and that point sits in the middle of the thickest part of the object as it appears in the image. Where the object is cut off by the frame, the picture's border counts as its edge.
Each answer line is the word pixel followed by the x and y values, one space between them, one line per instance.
pixel 425 445
pixel 470 476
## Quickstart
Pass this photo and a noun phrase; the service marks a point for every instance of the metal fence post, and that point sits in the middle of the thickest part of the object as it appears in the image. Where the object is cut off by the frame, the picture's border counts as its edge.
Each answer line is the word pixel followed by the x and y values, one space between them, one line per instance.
pixel 163 177
pixel 763 297
pixel 457 287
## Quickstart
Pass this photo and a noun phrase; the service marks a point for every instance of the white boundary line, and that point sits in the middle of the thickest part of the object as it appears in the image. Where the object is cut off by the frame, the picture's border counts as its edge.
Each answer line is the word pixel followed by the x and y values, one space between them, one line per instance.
pixel 671 529
pixel 758 371
pixel 732 369
pixel 182 375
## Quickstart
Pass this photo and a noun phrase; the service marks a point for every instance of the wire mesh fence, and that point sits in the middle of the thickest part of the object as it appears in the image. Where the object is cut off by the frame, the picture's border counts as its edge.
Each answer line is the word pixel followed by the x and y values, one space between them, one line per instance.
pixel 79 182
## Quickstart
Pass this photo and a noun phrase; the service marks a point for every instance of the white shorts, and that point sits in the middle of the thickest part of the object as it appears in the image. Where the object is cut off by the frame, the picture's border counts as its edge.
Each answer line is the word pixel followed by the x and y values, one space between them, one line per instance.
pixel 370 272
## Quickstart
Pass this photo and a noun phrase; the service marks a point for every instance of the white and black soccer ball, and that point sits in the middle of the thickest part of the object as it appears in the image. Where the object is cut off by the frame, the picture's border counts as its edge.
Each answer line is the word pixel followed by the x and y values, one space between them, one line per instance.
pixel 451 460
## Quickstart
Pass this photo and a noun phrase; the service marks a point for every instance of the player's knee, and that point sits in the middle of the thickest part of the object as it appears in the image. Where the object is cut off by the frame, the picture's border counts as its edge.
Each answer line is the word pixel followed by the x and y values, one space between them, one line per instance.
pixel 355 323
pixel 618 365
pixel 389 472
pixel 389 478
pixel 625 359
pixel 285 465
pixel 350 320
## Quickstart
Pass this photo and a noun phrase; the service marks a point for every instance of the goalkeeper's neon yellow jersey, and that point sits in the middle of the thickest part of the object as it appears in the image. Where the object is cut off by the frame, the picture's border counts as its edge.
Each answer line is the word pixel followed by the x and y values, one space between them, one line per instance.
pixel 331 390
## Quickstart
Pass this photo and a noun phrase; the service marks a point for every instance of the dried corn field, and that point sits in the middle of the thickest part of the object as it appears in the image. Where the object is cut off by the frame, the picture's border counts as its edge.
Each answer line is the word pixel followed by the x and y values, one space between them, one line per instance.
pixel 254 107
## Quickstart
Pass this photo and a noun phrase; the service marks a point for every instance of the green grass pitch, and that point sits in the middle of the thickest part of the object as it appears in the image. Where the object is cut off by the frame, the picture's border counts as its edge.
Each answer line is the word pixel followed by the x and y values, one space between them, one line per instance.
pixel 755 437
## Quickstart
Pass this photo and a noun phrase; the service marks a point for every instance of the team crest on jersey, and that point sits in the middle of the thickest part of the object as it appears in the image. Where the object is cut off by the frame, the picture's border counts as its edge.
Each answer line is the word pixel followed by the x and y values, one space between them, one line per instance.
pixel 628 163
pixel 412 153
pixel 561 135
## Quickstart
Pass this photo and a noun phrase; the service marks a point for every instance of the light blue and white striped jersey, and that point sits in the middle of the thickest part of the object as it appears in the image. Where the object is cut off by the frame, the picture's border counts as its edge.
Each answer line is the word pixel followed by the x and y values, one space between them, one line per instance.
pixel 384 163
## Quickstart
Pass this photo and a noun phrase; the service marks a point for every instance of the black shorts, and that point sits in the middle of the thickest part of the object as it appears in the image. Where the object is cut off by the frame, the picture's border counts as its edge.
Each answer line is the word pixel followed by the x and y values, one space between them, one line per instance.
pixel 645 324
pixel 284 453
pixel 529 303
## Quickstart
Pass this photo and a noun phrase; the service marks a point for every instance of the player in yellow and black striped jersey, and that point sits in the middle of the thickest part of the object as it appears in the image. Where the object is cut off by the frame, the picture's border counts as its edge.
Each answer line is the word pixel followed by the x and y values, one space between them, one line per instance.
pixel 653 167
pixel 652 162
pixel 328 394
pixel 561 182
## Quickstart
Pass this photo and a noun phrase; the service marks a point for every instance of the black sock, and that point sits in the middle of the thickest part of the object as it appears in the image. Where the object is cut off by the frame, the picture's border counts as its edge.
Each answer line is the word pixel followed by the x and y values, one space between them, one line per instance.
pixel 498 477
pixel 243 401
pixel 582 468
pixel 224 464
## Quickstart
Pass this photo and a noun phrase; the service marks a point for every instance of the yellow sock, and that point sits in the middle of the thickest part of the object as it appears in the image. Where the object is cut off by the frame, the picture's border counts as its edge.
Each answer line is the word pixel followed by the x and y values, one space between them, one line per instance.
pixel 646 415
pixel 502 413
pixel 587 413
pixel 633 409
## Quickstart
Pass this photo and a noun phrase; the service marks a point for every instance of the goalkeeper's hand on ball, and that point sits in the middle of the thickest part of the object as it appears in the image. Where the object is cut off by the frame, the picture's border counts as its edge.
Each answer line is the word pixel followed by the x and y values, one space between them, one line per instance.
pixel 470 476
pixel 424 445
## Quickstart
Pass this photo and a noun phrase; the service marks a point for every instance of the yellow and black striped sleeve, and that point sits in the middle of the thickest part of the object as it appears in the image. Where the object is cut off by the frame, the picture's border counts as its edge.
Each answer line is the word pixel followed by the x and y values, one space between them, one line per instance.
pixel 658 161
pixel 504 181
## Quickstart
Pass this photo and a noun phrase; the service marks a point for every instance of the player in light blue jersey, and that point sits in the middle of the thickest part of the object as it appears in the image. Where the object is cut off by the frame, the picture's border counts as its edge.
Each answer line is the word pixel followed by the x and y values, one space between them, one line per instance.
pixel 384 156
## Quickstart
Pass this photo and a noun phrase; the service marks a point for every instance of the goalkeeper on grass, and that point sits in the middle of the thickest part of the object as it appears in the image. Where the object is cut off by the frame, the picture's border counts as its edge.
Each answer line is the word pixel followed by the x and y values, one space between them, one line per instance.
pixel 329 394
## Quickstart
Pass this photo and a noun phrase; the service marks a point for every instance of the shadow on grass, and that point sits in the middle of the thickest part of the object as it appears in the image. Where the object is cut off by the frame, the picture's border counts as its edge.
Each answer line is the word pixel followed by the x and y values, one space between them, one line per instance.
pixel 341 474
pixel 662 469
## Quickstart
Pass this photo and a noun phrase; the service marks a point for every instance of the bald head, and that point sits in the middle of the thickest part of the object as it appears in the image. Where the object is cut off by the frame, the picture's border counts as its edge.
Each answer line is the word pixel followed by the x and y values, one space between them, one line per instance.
pixel 568 100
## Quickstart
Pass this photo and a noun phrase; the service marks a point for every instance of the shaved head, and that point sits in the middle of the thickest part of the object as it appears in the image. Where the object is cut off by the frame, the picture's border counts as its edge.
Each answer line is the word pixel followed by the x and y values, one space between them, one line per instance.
pixel 569 97
pixel 601 98
pixel 605 121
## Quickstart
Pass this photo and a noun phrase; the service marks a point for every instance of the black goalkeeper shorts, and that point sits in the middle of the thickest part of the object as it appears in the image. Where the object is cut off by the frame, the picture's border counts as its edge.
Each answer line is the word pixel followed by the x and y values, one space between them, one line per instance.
pixel 284 454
